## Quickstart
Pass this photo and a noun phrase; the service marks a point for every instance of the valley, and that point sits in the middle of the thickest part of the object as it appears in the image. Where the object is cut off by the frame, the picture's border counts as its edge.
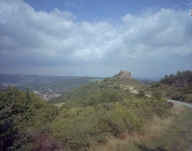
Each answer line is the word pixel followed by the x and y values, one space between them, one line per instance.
pixel 46 87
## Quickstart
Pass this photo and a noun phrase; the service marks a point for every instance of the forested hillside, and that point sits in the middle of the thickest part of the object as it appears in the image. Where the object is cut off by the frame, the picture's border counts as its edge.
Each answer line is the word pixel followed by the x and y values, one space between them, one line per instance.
pixel 175 86
pixel 180 79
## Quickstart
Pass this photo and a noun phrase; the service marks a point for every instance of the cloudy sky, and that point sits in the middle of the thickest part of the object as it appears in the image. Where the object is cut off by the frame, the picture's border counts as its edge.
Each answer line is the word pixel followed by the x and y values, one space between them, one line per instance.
pixel 149 38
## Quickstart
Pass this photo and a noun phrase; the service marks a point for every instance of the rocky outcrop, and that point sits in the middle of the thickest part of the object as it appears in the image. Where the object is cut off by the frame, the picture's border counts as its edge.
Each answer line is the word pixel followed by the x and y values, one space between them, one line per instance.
pixel 124 74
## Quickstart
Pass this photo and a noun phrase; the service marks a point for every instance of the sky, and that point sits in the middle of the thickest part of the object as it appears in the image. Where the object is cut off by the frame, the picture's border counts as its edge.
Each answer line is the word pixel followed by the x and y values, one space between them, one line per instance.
pixel 149 38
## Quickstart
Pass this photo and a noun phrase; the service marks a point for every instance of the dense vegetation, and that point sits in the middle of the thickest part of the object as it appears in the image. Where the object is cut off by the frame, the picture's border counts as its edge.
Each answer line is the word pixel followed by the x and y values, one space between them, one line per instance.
pixel 176 87
pixel 22 115
pixel 81 127
pixel 29 123
pixel 180 79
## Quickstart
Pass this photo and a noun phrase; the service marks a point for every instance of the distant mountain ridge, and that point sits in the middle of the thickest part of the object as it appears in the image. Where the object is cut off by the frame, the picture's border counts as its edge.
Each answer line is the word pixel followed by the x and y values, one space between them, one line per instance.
pixel 60 86
pixel 28 79
pixel 46 87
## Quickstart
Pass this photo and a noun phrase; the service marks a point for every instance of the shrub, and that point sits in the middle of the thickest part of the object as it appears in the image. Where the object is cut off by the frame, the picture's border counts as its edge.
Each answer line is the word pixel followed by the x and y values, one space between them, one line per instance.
pixel 162 108
pixel 186 90
pixel 168 94
pixel 157 95
pixel 156 85
pixel 106 105
pixel 180 97
pixel 140 94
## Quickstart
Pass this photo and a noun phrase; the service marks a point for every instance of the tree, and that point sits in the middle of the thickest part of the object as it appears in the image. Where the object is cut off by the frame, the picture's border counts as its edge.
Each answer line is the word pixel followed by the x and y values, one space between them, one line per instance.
pixel 171 79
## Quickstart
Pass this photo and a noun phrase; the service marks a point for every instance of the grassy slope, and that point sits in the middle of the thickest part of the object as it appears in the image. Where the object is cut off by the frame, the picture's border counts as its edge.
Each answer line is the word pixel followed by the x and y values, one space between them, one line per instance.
pixel 125 82
pixel 169 134
pixel 109 84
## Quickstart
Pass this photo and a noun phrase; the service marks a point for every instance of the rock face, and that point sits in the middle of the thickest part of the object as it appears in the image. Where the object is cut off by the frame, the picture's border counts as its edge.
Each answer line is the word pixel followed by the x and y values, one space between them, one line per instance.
pixel 124 74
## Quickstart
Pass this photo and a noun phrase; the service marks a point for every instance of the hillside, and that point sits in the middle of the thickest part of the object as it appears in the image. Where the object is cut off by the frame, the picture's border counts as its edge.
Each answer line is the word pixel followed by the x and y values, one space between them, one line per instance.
pixel 175 86
pixel 100 116
pixel 120 83
pixel 124 80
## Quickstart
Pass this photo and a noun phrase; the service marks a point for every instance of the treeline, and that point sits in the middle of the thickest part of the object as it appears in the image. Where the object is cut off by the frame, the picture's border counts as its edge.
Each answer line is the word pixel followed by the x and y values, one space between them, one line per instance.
pixel 175 86
pixel 180 79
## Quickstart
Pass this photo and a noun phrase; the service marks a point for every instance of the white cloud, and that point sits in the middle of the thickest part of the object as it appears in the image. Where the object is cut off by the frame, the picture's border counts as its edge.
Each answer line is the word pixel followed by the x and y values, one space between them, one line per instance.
pixel 151 41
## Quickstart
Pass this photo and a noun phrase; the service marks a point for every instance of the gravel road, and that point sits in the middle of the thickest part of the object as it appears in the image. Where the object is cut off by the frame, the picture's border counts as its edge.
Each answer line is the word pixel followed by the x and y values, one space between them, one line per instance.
pixel 182 103
pixel 178 102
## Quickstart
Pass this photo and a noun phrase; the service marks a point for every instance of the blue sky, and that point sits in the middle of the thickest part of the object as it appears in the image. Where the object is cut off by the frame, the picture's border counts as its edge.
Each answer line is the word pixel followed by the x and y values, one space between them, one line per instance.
pixel 149 38
pixel 88 10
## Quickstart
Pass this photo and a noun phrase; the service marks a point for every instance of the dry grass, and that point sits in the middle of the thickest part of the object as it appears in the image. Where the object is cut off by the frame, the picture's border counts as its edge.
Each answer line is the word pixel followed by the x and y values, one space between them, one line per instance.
pixel 154 130
pixel 158 127
pixel 177 109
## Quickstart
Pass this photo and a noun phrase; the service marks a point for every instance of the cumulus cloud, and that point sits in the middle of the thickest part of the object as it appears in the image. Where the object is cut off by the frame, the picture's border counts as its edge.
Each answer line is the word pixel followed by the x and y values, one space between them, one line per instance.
pixel 158 41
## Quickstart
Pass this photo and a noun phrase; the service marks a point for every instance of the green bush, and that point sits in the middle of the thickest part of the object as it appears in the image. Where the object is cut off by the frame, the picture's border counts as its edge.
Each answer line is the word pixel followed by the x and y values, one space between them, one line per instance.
pixel 141 94
pixel 19 111
pixel 156 85
pixel 186 90
pixel 179 96
pixel 157 95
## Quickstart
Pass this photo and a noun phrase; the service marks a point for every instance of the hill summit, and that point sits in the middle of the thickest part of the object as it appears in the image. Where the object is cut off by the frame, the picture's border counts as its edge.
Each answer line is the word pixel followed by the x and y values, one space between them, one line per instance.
pixel 124 74
pixel 124 80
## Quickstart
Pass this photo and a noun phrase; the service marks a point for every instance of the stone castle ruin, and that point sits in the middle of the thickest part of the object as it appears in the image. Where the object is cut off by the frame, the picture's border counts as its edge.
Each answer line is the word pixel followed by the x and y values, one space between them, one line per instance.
pixel 124 74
